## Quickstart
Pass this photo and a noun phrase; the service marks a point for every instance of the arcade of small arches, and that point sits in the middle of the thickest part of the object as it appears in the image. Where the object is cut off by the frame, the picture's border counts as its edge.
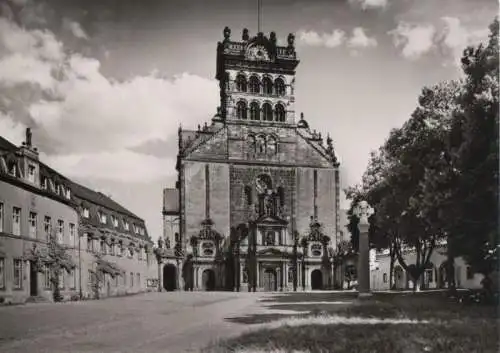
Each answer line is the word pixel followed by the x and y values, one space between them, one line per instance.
pixel 266 112
pixel 262 144
pixel 255 85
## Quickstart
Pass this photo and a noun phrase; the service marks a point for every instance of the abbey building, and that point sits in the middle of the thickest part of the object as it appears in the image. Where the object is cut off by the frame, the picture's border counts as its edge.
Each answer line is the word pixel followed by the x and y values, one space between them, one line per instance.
pixel 256 204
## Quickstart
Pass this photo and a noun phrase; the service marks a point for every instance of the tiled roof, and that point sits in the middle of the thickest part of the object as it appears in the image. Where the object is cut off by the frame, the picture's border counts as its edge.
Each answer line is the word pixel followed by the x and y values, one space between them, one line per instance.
pixel 171 200
pixel 100 199
pixel 7 145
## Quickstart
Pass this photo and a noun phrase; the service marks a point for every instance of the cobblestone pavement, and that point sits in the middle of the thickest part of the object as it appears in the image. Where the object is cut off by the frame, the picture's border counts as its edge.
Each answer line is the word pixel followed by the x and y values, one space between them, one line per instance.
pixel 154 322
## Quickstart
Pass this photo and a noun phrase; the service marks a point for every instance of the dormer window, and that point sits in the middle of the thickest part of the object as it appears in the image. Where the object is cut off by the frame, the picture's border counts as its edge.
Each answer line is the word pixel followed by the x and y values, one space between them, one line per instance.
pixel 68 194
pixel 102 217
pixel 12 168
pixel 126 225
pixel 45 183
pixel 86 212
pixel 58 189
pixel 136 229
pixel 31 173
pixel 115 221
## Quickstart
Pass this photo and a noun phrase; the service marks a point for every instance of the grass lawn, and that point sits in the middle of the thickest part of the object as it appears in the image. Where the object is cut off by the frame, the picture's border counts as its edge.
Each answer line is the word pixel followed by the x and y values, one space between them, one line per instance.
pixel 449 326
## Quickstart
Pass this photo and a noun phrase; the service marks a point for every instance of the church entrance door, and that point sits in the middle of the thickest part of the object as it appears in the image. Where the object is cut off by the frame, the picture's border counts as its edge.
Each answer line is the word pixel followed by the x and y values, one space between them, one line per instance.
pixel 269 280
pixel 208 280
pixel 170 277
pixel 316 280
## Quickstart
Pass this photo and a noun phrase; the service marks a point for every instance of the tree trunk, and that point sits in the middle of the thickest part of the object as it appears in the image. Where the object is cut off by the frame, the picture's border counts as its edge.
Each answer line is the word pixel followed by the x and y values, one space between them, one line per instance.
pixel 391 267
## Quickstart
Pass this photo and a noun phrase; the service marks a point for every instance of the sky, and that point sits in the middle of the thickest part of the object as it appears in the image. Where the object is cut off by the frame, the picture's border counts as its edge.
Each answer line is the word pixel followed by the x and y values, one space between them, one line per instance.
pixel 105 84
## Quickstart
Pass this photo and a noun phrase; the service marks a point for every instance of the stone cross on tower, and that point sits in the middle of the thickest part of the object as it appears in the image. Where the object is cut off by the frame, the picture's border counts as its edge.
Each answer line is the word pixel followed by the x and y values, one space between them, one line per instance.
pixel 363 210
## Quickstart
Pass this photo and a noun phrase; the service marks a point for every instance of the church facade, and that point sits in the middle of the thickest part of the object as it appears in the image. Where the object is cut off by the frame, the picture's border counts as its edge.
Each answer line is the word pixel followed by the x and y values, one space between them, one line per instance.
pixel 256 203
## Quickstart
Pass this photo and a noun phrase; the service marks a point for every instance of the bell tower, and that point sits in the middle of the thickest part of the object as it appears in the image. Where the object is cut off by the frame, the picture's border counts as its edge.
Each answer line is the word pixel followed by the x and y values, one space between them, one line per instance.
pixel 256 79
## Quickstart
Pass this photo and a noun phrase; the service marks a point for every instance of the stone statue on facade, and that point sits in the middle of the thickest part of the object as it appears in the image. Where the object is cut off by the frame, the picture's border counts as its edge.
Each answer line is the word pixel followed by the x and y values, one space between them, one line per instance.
pixel 28 137
pixel 167 243
pixel 245 35
pixel 160 243
pixel 363 210
pixel 227 33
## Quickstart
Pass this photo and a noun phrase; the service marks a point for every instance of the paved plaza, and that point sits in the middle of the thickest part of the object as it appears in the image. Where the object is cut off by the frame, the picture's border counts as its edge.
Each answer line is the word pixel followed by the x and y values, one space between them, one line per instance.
pixel 154 322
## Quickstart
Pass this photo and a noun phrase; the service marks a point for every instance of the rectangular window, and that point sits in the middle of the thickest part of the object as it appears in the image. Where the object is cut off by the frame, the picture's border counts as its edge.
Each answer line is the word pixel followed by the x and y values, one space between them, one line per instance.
pixel 46 277
pixel 32 223
pixel 385 277
pixel 31 173
pixel 16 221
pixel 469 273
pixel 47 227
pixel 138 280
pixel 2 273
pixel 112 248
pixel 89 279
pixel 139 254
pixel 103 247
pixel 60 231
pixel 90 243
pixel 1 217
pixel 72 234
pixel 131 279
pixel 72 279
pixel 18 274
pixel 61 279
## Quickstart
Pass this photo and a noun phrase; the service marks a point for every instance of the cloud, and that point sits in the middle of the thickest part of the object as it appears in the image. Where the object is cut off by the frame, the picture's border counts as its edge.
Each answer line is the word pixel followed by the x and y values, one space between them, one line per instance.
pixel 359 39
pixel 329 40
pixel 12 130
pixel 455 37
pixel 77 30
pixel 93 123
pixel 121 165
pixel 415 40
pixel 369 4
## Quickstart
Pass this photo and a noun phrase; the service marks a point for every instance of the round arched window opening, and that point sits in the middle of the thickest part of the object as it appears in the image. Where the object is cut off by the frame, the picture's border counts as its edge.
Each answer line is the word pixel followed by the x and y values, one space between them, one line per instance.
pixel 279 113
pixel 241 110
pixel 254 84
pixel 241 83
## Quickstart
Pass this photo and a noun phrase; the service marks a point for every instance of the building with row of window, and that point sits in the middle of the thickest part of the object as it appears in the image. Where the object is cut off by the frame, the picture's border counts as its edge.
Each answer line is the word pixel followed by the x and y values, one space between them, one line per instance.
pixel 434 276
pixel 37 203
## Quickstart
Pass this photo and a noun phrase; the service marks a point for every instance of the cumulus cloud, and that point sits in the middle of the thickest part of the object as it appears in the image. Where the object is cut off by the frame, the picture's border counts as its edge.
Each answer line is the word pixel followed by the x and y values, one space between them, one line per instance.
pixel 369 4
pixel 449 37
pixel 92 122
pixel 359 39
pixel 455 37
pixel 76 29
pixel 415 40
pixel 337 37
pixel 329 40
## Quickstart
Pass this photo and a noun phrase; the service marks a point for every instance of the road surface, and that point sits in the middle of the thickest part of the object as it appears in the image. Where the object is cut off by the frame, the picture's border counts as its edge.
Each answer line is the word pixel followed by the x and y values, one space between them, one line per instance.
pixel 154 322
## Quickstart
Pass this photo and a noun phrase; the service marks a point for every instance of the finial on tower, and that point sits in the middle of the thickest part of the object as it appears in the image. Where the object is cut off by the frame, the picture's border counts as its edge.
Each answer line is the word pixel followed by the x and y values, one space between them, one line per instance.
pixel 227 33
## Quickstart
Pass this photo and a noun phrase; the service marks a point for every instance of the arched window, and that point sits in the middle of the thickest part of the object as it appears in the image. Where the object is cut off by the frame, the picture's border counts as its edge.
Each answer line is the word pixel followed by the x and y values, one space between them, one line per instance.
pixel 279 87
pixel 248 195
pixel 241 83
pixel 207 248
pixel 261 144
pixel 267 86
pixel 267 111
pixel 241 110
pixel 279 112
pixel 271 146
pixel 254 84
pixel 254 111
pixel 251 144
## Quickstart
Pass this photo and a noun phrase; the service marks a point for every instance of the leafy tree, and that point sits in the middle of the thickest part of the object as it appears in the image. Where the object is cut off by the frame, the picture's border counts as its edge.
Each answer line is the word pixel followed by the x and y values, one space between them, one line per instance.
pixel 474 144
pixel 53 258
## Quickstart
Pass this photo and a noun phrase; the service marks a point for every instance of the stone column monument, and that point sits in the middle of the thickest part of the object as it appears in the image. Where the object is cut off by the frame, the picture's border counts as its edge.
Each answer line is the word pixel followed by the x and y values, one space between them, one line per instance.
pixel 363 211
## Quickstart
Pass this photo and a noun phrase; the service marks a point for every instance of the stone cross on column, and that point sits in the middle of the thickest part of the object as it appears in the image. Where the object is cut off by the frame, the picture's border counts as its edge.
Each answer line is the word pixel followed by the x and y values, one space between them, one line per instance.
pixel 363 211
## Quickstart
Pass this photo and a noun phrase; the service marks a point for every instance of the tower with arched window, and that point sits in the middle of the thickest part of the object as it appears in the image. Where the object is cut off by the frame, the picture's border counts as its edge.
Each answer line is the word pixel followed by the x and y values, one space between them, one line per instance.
pixel 250 182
